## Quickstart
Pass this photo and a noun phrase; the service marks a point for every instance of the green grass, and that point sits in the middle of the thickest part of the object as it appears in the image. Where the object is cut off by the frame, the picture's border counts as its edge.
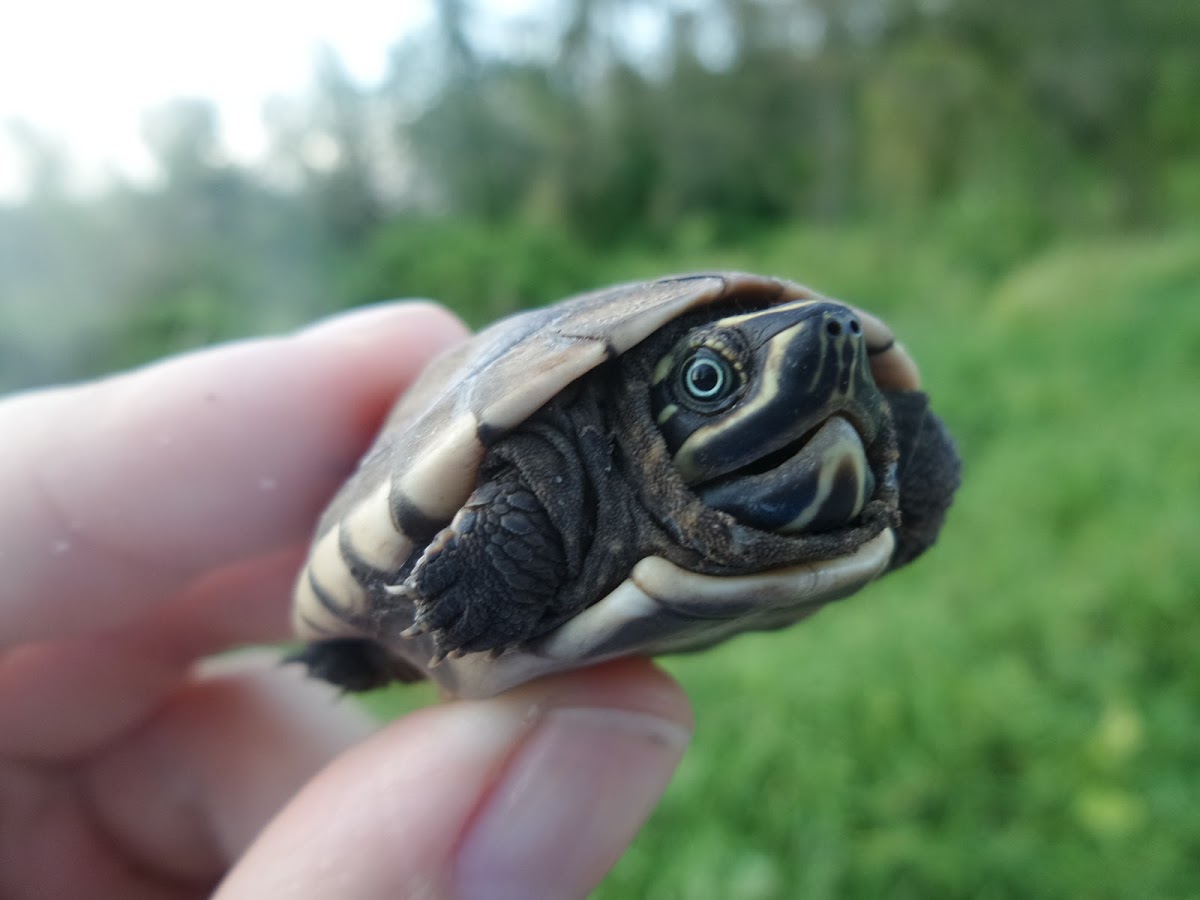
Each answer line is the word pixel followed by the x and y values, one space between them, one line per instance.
pixel 1018 714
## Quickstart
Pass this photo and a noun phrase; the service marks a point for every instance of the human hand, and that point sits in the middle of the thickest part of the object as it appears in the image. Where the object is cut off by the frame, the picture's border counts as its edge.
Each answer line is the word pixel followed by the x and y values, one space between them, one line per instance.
pixel 155 518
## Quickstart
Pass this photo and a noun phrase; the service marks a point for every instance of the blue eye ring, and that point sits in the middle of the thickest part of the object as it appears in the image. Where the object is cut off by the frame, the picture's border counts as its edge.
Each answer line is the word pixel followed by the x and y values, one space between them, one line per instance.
pixel 706 377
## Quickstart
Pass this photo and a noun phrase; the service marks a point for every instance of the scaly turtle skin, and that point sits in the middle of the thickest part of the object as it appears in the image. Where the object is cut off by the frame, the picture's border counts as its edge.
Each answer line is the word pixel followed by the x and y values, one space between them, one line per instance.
pixel 650 468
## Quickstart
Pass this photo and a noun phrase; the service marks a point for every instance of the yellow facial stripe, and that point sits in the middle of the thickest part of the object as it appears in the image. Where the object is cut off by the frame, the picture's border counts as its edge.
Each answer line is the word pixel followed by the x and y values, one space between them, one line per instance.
pixel 767 388
pixel 842 454
pixel 663 369
pixel 735 321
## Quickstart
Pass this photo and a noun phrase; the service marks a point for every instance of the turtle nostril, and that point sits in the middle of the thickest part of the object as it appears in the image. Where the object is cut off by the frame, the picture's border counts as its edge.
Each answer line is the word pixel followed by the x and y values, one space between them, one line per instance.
pixel 834 327
pixel 855 326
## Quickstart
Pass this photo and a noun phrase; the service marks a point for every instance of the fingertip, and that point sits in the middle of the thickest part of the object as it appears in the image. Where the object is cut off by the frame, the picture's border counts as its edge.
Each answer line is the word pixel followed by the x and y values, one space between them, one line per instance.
pixel 580 786
pixel 533 793
pixel 634 683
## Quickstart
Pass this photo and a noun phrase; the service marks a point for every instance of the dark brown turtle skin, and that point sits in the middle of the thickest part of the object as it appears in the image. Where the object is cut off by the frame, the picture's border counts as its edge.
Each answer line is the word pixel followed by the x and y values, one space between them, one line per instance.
pixel 649 468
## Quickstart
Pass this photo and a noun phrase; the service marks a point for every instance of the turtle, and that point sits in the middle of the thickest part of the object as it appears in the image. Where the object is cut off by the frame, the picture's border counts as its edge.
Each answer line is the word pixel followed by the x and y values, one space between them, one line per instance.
pixel 643 469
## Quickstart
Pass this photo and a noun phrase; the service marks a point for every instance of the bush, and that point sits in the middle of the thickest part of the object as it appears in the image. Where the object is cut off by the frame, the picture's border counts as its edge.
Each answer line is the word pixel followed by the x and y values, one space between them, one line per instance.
pixel 481 271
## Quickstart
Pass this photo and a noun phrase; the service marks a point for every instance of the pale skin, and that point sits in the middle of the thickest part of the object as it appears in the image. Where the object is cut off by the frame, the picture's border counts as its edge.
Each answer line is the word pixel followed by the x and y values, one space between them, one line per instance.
pixel 153 519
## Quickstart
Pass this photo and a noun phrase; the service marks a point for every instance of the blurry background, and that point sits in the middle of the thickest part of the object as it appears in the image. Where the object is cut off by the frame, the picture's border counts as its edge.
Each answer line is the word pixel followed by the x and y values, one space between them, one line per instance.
pixel 1015 186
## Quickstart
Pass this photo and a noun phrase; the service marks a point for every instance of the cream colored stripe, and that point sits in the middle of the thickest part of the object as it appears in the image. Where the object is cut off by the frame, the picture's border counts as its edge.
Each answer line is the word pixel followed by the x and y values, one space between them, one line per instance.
pixel 306 608
pixel 373 536
pixel 767 389
pixel 734 321
pixel 440 482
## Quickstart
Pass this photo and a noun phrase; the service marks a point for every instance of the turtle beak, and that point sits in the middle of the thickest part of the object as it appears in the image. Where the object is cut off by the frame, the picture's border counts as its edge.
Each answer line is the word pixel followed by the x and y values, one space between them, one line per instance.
pixel 823 485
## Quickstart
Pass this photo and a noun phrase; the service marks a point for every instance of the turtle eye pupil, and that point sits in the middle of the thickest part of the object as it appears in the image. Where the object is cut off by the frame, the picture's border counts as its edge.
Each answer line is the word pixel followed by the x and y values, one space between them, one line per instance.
pixel 706 377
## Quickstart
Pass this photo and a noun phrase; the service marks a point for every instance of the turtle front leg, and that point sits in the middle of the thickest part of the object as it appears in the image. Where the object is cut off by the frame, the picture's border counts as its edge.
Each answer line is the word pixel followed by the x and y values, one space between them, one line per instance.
pixel 490 580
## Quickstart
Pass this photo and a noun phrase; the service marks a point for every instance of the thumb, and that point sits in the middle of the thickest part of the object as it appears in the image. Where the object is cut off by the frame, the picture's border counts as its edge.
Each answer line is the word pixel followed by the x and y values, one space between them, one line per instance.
pixel 535 793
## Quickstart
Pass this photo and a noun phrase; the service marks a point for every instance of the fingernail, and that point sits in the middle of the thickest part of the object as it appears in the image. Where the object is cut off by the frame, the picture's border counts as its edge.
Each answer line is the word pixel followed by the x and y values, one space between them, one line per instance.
pixel 576 792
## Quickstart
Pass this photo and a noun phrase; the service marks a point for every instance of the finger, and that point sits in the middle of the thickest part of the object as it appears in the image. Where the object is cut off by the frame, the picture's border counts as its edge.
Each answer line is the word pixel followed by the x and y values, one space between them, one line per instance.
pixel 532 794
pixel 120 491
pixel 101 684
pixel 182 796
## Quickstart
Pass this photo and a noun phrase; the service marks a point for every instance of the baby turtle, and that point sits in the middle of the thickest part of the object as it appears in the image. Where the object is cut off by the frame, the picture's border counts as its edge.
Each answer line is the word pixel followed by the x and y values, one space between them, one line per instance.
pixel 645 469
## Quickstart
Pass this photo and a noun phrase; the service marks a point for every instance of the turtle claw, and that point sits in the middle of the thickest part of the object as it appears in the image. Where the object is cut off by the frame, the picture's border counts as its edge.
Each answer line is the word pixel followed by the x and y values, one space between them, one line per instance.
pixel 439 654
pixel 416 629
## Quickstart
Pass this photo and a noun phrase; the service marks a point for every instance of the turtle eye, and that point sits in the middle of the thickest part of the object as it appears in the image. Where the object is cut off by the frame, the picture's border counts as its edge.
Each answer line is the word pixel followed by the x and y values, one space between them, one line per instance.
pixel 706 377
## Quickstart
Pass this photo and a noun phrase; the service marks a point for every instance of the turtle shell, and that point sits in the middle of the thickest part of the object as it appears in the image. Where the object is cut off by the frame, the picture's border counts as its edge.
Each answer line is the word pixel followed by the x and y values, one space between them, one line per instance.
pixel 427 461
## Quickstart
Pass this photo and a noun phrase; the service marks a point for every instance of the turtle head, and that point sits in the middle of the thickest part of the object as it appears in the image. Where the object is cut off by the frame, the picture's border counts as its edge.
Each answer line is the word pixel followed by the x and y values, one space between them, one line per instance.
pixel 771 415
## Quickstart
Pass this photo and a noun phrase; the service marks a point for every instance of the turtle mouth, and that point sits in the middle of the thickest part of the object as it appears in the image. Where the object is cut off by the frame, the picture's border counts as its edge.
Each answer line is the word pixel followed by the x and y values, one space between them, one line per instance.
pixel 820 481
pixel 780 456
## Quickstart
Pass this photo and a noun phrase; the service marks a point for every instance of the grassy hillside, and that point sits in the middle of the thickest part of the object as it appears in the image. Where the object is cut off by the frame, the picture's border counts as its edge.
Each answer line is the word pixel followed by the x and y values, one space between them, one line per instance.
pixel 1018 714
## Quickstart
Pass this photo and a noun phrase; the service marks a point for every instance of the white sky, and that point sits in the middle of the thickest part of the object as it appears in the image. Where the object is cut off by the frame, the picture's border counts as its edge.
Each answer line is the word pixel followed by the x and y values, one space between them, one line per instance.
pixel 83 70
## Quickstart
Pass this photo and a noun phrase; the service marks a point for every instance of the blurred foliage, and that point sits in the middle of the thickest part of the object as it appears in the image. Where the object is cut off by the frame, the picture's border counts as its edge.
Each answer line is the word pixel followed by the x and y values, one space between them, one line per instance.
pixel 487 271
pixel 1014 716
pixel 1014 185
pixel 505 164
